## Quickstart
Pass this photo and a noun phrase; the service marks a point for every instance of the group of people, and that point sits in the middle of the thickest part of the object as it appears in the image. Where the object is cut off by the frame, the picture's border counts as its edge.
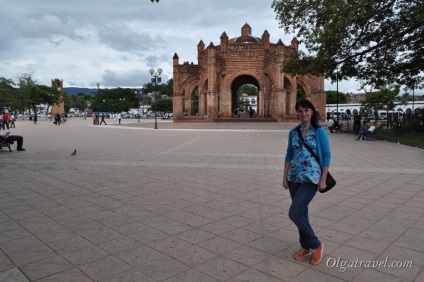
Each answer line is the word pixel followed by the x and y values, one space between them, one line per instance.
pixel 7 120
pixel 361 131
pixel 96 117
pixel 364 130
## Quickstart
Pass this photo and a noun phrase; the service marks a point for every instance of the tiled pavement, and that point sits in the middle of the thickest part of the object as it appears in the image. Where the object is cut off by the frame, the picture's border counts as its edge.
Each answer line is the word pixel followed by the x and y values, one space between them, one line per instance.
pixel 199 202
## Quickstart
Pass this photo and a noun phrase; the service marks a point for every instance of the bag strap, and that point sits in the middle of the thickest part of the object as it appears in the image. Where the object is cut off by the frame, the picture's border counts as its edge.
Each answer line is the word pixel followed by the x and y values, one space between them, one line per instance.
pixel 306 145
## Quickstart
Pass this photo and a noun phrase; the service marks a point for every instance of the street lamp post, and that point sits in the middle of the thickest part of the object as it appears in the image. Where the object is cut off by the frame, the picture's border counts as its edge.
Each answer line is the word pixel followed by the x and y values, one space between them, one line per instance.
pixel 138 94
pixel 156 79
pixel 337 95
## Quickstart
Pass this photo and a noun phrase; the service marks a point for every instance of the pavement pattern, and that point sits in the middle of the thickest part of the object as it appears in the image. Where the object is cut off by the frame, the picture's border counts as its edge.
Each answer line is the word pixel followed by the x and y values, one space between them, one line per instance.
pixel 200 202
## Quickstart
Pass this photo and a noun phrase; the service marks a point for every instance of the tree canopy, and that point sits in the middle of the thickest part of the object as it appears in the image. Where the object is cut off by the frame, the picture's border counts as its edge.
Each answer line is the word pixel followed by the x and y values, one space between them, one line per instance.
pixel 378 42
pixel 162 105
pixel 115 100
pixel 385 99
pixel 331 97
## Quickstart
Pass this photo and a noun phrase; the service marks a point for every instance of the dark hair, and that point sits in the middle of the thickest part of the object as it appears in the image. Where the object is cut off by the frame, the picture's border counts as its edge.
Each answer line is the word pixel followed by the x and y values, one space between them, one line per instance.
pixel 307 104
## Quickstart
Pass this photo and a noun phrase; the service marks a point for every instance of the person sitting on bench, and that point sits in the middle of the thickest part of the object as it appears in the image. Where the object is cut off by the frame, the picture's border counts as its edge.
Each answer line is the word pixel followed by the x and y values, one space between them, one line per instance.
pixel 364 130
pixel 6 137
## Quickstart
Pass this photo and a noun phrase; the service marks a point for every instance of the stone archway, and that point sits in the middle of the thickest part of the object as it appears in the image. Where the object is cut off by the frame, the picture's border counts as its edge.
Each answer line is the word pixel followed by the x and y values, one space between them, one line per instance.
pixel 223 68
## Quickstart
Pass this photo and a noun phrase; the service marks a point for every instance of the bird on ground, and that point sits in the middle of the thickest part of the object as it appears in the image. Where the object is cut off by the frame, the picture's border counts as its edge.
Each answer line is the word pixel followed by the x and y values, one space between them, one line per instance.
pixel 74 153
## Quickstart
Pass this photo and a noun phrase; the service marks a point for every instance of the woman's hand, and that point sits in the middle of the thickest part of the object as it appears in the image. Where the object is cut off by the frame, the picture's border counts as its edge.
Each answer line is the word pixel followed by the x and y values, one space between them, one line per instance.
pixel 322 184
pixel 286 170
pixel 285 184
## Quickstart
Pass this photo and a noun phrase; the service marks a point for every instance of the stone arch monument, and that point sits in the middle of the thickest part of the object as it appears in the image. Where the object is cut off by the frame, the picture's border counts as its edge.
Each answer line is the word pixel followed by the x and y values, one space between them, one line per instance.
pixel 246 59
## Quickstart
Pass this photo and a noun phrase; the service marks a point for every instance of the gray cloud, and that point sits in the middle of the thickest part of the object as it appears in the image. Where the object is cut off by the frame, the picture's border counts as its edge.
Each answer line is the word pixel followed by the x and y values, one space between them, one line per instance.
pixel 117 42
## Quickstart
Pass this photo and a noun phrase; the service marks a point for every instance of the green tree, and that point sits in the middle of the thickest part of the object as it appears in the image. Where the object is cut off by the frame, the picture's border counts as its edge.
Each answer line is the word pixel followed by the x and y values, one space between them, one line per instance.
pixel 385 99
pixel 43 94
pixel 248 89
pixel 162 105
pixel 8 94
pixel 160 89
pixel 115 100
pixel 331 96
pixel 379 42
pixel 300 94
pixel 25 90
pixel 79 101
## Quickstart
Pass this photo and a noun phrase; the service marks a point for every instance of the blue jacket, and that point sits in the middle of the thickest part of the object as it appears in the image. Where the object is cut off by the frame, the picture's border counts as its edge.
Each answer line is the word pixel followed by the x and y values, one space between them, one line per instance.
pixel 323 147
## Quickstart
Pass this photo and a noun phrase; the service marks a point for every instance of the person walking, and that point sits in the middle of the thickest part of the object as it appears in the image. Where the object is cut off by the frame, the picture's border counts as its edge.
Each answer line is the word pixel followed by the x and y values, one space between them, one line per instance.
pixel 303 176
pixel 119 118
pixel 57 119
pixel 35 118
pixel 12 120
pixel 6 119
pixel 103 119
pixel 356 123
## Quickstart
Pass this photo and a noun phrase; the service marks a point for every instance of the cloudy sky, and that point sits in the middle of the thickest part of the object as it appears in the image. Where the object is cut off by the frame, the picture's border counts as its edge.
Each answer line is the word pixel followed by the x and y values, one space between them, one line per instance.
pixel 116 42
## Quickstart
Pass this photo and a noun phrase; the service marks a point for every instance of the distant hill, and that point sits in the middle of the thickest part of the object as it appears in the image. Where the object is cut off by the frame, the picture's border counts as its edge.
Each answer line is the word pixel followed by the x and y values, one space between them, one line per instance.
pixel 76 90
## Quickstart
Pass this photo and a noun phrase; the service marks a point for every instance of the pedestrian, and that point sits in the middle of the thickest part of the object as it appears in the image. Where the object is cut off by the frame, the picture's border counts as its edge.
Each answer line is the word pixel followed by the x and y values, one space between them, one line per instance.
pixel 303 176
pixel 57 119
pixel 114 118
pixel 356 123
pixel 5 121
pixel 119 118
pixel 250 111
pixel 103 119
pixel 35 118
pixel 12 120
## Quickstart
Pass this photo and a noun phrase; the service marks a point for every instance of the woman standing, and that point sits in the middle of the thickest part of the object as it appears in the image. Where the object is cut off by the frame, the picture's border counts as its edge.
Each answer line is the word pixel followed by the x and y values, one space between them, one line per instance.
pixel 303 176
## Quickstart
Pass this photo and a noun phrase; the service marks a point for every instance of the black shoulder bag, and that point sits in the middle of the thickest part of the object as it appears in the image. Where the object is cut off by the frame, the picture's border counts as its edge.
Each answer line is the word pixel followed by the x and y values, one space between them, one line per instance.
pixel 330 181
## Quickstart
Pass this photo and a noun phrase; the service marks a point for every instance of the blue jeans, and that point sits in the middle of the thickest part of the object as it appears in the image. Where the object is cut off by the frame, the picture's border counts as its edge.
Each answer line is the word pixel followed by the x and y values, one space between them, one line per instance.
pixel 302 194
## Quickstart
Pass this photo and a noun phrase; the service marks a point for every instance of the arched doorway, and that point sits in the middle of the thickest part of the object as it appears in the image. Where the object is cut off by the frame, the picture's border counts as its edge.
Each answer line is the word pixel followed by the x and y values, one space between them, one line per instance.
pixel 244 93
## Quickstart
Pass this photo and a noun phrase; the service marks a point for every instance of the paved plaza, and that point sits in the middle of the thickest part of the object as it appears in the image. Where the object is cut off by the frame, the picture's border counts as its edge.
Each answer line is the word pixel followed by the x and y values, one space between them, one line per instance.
pixel 200 202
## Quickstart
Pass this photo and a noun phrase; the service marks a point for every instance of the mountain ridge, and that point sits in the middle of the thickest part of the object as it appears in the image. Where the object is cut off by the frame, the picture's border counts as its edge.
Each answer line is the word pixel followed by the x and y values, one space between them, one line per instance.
pixel 73 91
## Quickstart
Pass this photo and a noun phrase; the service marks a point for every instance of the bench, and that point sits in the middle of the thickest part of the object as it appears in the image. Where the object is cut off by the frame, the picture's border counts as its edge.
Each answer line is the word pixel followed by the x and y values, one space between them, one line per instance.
pixel 5 144
pixel 372 136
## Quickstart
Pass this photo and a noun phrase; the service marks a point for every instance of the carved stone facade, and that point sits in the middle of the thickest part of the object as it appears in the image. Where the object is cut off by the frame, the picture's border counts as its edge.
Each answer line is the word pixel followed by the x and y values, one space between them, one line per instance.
pixel 60 107
pixel 246 59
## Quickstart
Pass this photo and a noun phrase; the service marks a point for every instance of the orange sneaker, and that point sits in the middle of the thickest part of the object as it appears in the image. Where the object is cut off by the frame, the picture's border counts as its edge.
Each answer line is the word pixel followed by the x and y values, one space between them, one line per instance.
pixel 301 254
pixel 317 254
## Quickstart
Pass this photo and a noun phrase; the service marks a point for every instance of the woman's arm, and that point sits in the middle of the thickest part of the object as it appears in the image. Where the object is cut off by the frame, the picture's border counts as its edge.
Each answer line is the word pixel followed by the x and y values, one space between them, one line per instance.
pixel 288 158
pixel 286 170
pixel 324 144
